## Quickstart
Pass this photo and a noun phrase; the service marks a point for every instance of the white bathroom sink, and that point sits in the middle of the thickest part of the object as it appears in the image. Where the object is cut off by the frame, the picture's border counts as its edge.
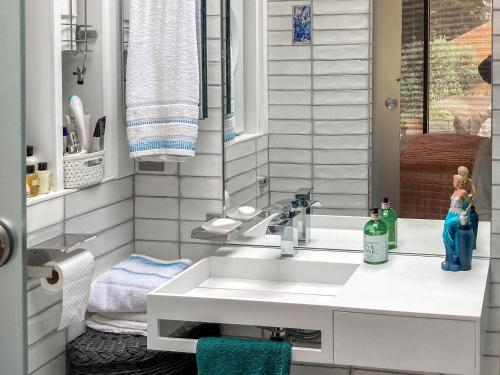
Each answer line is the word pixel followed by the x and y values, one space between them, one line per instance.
pixel 255 287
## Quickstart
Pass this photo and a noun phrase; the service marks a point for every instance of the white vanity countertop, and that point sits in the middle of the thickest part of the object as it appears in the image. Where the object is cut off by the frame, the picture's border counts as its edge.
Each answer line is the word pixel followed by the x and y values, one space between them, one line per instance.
pixel 406 285
pixel 415 236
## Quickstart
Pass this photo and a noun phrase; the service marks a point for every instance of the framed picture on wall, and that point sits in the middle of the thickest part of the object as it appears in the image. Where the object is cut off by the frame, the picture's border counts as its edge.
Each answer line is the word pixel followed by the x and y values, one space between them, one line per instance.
pixel 301 24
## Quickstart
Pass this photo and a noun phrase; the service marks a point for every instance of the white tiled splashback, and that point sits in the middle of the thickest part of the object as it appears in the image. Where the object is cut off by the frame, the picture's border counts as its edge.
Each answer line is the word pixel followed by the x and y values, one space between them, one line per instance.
pixel 106 210
pixel 319 105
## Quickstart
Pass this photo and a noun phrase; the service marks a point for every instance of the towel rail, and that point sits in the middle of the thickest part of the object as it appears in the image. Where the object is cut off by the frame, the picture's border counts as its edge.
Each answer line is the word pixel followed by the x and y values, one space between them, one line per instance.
pixel 172 344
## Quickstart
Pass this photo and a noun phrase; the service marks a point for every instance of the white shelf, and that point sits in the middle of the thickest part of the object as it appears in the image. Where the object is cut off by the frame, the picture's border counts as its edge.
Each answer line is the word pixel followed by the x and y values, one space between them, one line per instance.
pixel 47 197
pixel 50 80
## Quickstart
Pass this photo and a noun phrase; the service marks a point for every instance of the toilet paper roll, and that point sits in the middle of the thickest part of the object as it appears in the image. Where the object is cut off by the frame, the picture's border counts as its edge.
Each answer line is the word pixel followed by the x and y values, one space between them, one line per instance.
pixel 73 275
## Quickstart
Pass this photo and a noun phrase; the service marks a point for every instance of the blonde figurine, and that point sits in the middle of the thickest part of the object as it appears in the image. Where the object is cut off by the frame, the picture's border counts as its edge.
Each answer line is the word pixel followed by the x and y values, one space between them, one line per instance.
pixel 461 201
pixel 469 185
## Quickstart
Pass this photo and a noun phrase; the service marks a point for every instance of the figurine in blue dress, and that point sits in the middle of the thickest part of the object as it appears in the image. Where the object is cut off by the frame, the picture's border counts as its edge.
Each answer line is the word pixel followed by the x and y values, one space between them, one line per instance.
pixel 460 202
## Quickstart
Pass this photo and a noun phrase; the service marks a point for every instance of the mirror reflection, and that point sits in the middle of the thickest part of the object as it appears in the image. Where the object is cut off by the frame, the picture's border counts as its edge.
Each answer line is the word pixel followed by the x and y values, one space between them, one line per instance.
pixel 354 109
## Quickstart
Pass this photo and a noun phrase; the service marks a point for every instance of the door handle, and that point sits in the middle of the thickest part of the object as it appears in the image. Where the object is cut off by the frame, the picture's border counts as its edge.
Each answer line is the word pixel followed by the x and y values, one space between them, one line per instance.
pixel 6 244
pixel 391 103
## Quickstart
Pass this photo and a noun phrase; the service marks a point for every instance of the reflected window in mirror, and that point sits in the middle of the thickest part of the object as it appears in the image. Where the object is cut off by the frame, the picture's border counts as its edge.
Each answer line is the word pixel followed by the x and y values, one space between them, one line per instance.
pixel 244 69
pixel 444 87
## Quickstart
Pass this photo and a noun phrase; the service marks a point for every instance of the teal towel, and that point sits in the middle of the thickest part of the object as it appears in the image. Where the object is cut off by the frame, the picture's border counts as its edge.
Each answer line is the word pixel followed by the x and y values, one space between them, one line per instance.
pixel 227 356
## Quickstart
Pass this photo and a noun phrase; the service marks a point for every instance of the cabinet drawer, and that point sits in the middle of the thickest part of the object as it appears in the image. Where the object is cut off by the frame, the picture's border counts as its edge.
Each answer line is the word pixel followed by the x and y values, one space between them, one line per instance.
pixel 406 343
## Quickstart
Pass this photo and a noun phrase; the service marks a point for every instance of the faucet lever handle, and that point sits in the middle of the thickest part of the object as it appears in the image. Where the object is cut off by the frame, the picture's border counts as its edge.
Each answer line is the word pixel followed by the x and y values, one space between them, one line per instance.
pixel 303 194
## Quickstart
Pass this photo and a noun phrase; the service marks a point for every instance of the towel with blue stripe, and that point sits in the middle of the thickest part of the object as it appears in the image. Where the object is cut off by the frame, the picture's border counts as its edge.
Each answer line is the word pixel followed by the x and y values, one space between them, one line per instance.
pixel 124 288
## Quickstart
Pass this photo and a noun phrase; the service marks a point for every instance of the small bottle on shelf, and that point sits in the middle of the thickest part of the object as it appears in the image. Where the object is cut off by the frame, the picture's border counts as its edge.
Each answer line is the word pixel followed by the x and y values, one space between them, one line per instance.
pixel 375 246
pixel 465 243
pixel 44 178
pixel 31 181
pixel 474 222
pixel 390 217
pixel 30 158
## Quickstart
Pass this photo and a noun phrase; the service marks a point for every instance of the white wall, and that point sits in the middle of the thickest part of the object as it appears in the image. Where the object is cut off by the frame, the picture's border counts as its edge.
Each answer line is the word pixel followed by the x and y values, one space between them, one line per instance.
pixel 106 210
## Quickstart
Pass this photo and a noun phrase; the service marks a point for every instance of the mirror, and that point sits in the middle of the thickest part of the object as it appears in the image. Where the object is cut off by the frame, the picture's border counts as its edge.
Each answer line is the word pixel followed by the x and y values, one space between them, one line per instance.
pixel 359 108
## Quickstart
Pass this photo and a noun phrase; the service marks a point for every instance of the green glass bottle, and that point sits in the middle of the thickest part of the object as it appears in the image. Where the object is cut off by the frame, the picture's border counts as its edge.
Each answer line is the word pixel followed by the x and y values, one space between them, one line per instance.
pixel 375 246
pixel 390 217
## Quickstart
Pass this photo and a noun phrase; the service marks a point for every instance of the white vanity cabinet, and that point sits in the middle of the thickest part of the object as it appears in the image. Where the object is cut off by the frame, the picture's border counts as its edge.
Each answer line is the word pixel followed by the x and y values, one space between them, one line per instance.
pixel 406 315
pixel 406 343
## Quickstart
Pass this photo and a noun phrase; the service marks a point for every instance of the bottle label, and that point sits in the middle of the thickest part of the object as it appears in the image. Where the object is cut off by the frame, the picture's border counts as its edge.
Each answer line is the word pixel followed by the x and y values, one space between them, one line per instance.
pixel 375 248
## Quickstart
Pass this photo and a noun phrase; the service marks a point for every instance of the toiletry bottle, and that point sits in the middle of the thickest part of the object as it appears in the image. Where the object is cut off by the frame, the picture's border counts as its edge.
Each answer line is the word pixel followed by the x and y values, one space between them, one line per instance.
pixel 32 180
pixel 474 222
pixel 465 243
pixel 375 246
pixel 77 113
pixel 44 180
pixel 30 158
pixel 102 124
pixel 65 139
pixel 390 217
pixel 96 139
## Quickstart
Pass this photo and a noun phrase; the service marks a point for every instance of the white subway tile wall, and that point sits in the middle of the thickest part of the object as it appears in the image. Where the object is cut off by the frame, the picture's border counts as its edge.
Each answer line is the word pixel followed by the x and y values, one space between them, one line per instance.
pixel 169 204
pixel 491 360
pixel 319 104
pixel 106 210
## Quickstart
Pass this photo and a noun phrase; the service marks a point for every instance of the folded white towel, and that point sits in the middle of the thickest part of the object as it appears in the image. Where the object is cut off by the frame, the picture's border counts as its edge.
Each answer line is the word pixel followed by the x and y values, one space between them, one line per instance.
pixel 136 317
pixel 125 327
pixel 163 80
pixel 124 288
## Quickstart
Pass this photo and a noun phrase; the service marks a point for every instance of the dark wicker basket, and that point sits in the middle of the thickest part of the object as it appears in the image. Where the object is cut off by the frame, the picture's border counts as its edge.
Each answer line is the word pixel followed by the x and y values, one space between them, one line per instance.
pixel 96 353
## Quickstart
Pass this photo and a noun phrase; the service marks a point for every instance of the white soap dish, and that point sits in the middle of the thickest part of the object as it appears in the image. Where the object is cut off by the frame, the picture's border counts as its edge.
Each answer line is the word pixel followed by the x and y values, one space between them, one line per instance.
pixel 243 213
pixel 221 225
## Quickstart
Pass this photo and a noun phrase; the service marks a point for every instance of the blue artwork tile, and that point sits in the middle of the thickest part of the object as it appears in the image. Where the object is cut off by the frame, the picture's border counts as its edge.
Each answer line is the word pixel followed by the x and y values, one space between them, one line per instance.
pixel 302 26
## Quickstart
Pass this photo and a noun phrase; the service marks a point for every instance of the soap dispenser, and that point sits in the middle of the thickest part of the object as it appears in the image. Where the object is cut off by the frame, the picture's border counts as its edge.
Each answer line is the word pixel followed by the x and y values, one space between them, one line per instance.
pixel 474 222
pixel 390 217
pixel 375 246
pixel 465 243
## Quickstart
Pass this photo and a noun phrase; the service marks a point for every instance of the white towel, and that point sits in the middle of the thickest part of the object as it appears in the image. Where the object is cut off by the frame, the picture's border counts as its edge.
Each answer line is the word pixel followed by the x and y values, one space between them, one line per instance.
pixel 163 80
pixel 137 317
pixel 124 288
pixel 125 327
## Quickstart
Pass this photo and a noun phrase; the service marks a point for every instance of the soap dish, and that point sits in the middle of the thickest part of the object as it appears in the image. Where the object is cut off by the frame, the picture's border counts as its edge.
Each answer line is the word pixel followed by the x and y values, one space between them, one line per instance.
pixel 235 213
pixel 221 225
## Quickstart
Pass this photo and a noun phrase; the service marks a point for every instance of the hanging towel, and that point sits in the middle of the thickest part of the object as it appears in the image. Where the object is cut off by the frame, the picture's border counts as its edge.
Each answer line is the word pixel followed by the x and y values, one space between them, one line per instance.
pixel 125 327
pixel 163 80
pixel 124 288
pixel 246 357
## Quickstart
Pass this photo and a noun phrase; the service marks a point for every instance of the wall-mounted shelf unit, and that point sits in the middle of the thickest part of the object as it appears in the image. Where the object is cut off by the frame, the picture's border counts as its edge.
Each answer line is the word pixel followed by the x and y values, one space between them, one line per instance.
pixel 50 80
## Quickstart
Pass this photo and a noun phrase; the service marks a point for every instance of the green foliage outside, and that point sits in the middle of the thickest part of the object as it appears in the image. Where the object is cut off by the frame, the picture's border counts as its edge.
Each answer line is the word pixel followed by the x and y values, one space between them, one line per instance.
pixel 452 72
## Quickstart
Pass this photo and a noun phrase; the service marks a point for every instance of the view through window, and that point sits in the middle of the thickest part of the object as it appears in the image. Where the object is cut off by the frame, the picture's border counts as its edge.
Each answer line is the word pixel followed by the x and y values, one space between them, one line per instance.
pixel 457 97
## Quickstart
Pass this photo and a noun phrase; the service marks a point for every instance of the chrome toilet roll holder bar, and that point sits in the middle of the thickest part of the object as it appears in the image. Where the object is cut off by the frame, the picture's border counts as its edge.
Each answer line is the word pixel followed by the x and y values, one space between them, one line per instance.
pixel 44 252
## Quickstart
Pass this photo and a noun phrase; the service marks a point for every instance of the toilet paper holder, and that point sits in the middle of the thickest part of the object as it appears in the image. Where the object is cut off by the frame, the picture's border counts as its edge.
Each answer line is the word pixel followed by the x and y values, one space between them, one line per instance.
pixel 49 250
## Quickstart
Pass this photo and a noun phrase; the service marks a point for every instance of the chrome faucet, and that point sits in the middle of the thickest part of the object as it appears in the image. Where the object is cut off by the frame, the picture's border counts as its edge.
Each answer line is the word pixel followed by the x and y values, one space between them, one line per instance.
pixel 294 222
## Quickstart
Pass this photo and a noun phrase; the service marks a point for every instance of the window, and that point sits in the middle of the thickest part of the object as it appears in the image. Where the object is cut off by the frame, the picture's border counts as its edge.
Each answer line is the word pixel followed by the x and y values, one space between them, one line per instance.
pixel 446 43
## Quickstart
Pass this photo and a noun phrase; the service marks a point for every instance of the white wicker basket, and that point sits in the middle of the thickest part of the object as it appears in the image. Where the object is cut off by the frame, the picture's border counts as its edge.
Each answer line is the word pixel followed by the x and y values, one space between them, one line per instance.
pixel 81 170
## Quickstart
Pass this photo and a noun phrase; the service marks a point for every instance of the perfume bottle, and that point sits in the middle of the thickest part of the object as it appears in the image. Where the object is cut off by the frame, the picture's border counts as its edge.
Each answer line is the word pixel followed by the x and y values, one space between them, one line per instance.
pixel 465 243
pixel 390 217
pixel 474 222
pixel 31 180
pixel 375 246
